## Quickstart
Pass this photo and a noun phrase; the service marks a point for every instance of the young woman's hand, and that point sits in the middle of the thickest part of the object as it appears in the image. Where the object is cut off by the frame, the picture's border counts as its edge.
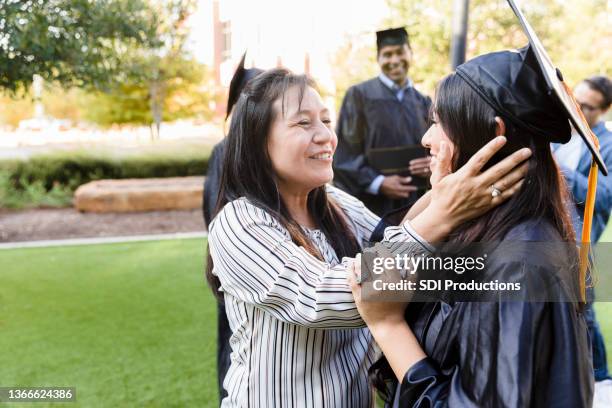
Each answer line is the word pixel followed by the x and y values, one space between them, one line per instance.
pixel 468 193
pixel 375 311
pixel 385 319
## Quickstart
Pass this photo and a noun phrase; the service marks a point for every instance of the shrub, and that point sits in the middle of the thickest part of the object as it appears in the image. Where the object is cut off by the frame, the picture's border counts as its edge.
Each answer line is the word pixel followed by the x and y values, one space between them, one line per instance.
pixel 50 180
pixel 32 194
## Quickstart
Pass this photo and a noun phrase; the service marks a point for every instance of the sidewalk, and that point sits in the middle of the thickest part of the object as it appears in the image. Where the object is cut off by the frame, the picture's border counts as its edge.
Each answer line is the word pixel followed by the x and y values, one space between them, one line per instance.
pixel 102 240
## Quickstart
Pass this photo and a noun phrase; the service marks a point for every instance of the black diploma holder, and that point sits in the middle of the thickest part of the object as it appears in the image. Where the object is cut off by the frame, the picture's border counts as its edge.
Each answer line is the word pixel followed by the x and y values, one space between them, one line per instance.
pixel 396 160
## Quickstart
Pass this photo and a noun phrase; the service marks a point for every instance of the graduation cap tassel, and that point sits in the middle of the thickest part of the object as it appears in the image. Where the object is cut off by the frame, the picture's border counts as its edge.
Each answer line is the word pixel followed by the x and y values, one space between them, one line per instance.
pixel 585 247
pixel 589 207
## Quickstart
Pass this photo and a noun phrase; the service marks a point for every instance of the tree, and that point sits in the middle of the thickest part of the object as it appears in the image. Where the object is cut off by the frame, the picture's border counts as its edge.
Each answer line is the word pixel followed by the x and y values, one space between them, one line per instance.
pixel 163 65
pixel 71 42
pixel 170 85
pixel 13 110
pixel 354 62
pixel 186 95
pixel 560 24
pixel 492 26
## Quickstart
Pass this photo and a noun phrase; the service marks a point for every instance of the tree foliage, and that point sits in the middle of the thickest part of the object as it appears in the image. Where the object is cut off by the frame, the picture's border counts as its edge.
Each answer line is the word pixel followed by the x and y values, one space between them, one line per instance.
pixel 171 84
pixel 186 94
pixel 576 34
pixel 71 42
pixel 126 57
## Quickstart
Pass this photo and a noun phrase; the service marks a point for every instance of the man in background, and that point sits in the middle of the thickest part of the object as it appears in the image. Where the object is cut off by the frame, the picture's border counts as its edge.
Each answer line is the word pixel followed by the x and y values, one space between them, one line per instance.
pixel 381 122
pixel 594 95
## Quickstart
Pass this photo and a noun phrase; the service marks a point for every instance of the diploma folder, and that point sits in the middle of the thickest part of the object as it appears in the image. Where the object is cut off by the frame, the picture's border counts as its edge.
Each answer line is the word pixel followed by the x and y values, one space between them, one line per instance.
pixel 396 160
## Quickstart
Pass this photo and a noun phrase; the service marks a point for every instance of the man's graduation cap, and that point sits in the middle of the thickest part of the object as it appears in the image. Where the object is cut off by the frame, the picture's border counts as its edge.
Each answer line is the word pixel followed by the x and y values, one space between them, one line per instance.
pixel 391 36
pixel 241 77
pixel 526 88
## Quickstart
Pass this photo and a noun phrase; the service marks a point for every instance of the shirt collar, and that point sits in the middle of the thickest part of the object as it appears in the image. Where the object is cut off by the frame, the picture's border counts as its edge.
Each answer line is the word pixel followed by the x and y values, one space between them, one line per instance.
pixel 599 128
pixel 392 85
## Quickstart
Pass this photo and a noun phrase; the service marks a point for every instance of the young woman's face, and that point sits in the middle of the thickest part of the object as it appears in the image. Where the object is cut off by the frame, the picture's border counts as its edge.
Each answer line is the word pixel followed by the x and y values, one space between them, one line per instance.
pixel 302 142
pixel 432 139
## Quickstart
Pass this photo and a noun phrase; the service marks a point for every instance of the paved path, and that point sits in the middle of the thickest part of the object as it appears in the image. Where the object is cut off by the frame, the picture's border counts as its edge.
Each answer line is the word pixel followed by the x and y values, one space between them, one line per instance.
pixel 102 240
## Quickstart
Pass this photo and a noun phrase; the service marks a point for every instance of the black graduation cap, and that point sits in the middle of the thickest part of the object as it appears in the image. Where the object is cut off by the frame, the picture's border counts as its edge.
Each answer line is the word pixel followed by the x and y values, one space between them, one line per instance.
pixel 391 36
pixel 526 88
pixel 241 77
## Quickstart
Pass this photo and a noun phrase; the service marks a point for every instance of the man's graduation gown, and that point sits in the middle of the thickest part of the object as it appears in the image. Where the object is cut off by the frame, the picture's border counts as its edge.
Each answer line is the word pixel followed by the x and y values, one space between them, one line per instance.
pixel 371 117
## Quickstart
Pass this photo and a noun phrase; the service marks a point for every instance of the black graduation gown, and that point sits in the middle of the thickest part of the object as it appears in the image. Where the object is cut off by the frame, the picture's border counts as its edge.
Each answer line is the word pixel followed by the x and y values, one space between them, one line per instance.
pixel 209 203
pixel 211 183
pixel 501 354
pixel 371 117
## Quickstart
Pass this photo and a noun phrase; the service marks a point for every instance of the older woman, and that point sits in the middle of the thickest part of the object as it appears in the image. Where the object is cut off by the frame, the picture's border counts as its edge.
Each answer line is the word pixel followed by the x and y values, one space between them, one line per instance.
pixel 280 243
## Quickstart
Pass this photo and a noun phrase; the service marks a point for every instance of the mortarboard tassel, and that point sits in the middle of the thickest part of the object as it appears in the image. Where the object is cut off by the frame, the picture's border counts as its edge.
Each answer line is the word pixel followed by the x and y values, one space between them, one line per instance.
pixel 589 208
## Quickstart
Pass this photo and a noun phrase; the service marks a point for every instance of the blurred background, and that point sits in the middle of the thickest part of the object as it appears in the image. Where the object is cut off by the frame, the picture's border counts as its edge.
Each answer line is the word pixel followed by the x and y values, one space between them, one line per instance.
pixel 126 90
pixel 124 78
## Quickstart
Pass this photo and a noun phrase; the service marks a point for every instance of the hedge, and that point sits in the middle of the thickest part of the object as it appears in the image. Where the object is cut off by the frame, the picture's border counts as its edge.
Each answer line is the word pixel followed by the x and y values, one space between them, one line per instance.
pixel 70 171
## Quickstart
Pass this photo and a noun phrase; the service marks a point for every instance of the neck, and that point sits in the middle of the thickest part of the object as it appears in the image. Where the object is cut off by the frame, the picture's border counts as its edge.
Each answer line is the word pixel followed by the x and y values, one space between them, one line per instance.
pixel 297 205
pixel 402 82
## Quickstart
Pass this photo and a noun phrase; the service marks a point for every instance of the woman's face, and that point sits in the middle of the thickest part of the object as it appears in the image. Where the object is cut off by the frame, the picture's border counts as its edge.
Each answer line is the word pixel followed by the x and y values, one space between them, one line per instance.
pixel 432 139
pixel 302 142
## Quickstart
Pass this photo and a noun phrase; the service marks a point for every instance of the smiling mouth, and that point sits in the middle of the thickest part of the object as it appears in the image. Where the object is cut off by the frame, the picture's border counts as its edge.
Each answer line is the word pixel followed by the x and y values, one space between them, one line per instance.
pixel 321 156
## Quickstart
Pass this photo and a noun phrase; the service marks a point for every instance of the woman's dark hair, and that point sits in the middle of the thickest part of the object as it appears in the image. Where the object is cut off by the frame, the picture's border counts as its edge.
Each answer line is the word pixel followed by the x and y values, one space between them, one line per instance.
pixel 247 168
pixel 469 122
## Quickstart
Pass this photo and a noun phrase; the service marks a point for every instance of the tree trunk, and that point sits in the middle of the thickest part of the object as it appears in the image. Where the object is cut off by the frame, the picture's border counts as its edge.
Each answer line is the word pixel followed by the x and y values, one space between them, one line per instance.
pixel 156 93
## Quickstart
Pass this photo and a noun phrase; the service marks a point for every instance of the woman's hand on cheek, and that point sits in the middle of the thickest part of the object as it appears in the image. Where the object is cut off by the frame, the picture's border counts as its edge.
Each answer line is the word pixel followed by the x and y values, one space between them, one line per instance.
pixel 467 193
pixel 375 312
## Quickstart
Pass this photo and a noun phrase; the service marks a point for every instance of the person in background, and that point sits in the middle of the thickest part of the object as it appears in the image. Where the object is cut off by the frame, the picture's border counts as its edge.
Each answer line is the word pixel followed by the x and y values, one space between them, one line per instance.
pixel 215 163
pixel 383 115
pixel 594 96
pixel 209 203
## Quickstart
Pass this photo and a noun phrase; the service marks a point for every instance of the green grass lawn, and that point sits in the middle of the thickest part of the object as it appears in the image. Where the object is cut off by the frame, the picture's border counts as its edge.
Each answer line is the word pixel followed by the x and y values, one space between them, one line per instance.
pixel 126 324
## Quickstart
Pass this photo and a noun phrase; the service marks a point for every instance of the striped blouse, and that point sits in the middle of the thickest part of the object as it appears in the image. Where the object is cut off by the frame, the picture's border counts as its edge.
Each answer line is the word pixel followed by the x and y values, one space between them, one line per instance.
pixel 297 337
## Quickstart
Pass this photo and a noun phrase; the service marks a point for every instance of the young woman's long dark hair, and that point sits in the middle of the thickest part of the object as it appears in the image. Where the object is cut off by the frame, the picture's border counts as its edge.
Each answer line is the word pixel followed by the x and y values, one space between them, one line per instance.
pixel 469 123
pixel 247 168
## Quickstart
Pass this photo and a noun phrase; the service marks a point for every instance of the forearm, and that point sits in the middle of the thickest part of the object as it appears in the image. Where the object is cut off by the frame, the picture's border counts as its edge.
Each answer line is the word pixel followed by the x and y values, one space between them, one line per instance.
pixel 399 345
pixel 431 227
pixel 418 207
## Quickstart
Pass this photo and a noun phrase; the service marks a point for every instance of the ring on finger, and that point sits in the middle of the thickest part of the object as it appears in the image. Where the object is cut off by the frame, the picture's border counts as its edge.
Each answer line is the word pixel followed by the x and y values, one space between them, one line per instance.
pixel 495 192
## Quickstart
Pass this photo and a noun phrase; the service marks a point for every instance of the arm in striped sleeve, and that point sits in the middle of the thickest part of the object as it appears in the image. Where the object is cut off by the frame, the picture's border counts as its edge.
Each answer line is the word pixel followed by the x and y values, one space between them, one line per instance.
pixel 257 262
pixel 405 233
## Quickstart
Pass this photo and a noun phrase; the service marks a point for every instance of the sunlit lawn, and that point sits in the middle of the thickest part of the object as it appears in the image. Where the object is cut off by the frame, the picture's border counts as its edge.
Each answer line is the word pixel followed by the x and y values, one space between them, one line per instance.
pixel 126 324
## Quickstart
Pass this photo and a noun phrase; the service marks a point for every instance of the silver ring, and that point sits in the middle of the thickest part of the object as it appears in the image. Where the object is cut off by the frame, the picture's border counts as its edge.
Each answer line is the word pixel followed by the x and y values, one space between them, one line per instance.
pixel 495 191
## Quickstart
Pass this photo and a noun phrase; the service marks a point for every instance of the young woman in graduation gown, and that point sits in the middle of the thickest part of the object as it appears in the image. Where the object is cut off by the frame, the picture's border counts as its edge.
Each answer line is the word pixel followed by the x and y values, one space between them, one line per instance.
pixel 493 354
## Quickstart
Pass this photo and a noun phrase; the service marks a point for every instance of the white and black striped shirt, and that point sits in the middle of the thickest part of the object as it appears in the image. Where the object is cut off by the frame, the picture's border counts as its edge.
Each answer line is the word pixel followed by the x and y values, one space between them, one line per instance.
pixel 298 339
